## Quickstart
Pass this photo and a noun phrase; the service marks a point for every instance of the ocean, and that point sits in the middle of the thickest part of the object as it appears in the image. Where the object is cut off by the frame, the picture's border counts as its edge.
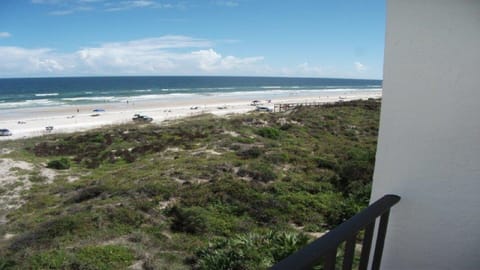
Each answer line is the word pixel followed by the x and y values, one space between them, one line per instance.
pixel 39 92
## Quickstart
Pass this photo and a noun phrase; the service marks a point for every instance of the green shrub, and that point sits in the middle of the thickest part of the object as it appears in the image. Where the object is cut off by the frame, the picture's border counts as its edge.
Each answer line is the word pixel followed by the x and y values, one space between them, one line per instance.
pixel 253 152
pixel 56 259
pixel 268 132
pixel 286 126
pixel 102 258
pixel 259 172
pixel 358 167
pixel 6 264
pixel 189 220
pixel 46 232
pixel 90 257
pixel 125 217
pixel 214 219
pixel 249 251
pixel 37 178
pixel 277 158
pixel 263 172
pixel 163 189
pixel 326 163
pixel 86 194
pixel 59 164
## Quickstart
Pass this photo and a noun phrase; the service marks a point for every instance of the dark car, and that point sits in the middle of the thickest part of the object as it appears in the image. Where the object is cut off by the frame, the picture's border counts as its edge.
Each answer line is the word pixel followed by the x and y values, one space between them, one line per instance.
pixel 263 109
pixel 142 118
pixel 5 132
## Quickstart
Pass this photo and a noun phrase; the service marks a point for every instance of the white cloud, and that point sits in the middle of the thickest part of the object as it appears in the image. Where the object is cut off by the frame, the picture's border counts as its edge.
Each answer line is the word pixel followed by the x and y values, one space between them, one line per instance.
pixel 227 3
pixel 69 11
pixel 305 70
pixel 125 5
pixel 62 12
pixel 140 3
pixel 28 62
pixel 360 67
pixel 65 7
pixel 50 2
pixel 211 61
pixel 167 55
pixel 131 4
pixel 64 2
pixel 163 42
pixel 5 34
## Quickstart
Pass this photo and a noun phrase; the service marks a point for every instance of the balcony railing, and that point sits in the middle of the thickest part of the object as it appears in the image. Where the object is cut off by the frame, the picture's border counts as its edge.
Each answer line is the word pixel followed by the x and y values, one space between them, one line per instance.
pixel 323 251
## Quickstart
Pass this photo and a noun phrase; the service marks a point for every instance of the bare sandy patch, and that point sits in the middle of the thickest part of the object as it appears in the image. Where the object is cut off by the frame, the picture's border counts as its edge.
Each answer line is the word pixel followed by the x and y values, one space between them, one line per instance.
pixel 49 174
pixel 12 184
pixel 204 150
pixel 15 179
pixel 231 133
pixel 5 151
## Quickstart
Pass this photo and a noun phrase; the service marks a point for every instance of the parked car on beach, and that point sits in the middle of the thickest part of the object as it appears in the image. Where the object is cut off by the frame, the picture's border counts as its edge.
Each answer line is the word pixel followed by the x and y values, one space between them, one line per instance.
pixel 263 109
pixel 5 132
pixel 142 118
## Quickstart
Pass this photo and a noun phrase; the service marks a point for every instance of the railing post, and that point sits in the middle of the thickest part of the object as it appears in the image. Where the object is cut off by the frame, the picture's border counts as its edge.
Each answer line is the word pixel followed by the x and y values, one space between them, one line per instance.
pixel 330 260
pixel 349 252
pixel 382 232
pixel 366 246
pixel 325 248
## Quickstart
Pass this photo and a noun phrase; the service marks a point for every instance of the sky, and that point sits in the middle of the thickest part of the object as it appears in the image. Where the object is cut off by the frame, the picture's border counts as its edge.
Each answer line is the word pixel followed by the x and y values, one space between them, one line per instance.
pixel 301 38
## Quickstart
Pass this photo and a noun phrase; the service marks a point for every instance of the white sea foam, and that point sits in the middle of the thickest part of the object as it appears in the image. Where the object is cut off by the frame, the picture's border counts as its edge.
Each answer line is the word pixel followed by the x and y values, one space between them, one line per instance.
pixel 164 96
pixel 142 90
pixel 46 94
pixel 29 103
pixel 109 98
pixel 210 88
pixel 289 91
pixel 266 93
pixel 270 87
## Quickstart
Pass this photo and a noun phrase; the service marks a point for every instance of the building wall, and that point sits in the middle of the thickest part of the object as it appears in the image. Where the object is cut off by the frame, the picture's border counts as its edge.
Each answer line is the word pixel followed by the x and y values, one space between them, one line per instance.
pixel 429 144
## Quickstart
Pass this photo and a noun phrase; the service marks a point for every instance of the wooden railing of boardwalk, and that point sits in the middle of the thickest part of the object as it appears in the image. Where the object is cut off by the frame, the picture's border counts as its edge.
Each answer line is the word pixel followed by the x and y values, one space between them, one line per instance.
pixel 281 107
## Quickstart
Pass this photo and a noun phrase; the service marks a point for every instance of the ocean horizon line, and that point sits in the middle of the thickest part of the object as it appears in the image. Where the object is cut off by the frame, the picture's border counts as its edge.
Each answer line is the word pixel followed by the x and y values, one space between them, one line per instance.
pixel 187 76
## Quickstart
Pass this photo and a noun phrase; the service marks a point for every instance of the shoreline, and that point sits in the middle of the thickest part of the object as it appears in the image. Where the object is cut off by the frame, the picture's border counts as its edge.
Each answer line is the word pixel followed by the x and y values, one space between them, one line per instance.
pixel 31 122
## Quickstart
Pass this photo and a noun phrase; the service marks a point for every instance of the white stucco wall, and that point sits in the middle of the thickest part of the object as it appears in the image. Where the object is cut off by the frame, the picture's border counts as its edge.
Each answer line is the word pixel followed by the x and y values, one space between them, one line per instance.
pixel 429 144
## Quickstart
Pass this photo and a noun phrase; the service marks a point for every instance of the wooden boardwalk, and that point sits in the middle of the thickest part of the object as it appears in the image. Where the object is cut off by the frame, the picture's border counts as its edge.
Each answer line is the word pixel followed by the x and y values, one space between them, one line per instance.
pixel 282 107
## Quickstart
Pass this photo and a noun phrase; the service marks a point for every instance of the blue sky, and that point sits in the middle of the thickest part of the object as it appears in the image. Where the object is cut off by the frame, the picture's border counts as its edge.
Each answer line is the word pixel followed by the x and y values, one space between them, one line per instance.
pixel 304 38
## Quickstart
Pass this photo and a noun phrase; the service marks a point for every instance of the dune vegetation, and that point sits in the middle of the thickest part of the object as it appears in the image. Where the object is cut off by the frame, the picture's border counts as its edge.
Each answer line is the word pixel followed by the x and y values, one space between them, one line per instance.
pixel 206 192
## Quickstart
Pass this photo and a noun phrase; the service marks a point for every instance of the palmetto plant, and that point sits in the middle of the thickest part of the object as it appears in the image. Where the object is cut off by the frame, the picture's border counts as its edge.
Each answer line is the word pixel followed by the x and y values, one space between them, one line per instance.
pixel 249 251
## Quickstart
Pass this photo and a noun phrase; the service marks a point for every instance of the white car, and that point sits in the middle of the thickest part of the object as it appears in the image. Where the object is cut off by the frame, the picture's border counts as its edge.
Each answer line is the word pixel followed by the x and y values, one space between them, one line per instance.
pixel 5 132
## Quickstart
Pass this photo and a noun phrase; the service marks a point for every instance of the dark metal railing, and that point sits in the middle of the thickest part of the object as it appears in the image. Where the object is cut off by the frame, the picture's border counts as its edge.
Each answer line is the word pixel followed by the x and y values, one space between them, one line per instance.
pixel 324 249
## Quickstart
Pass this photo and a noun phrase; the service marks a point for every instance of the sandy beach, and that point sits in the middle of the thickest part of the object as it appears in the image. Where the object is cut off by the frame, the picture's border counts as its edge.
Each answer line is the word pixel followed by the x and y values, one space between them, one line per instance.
pixel 31 122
